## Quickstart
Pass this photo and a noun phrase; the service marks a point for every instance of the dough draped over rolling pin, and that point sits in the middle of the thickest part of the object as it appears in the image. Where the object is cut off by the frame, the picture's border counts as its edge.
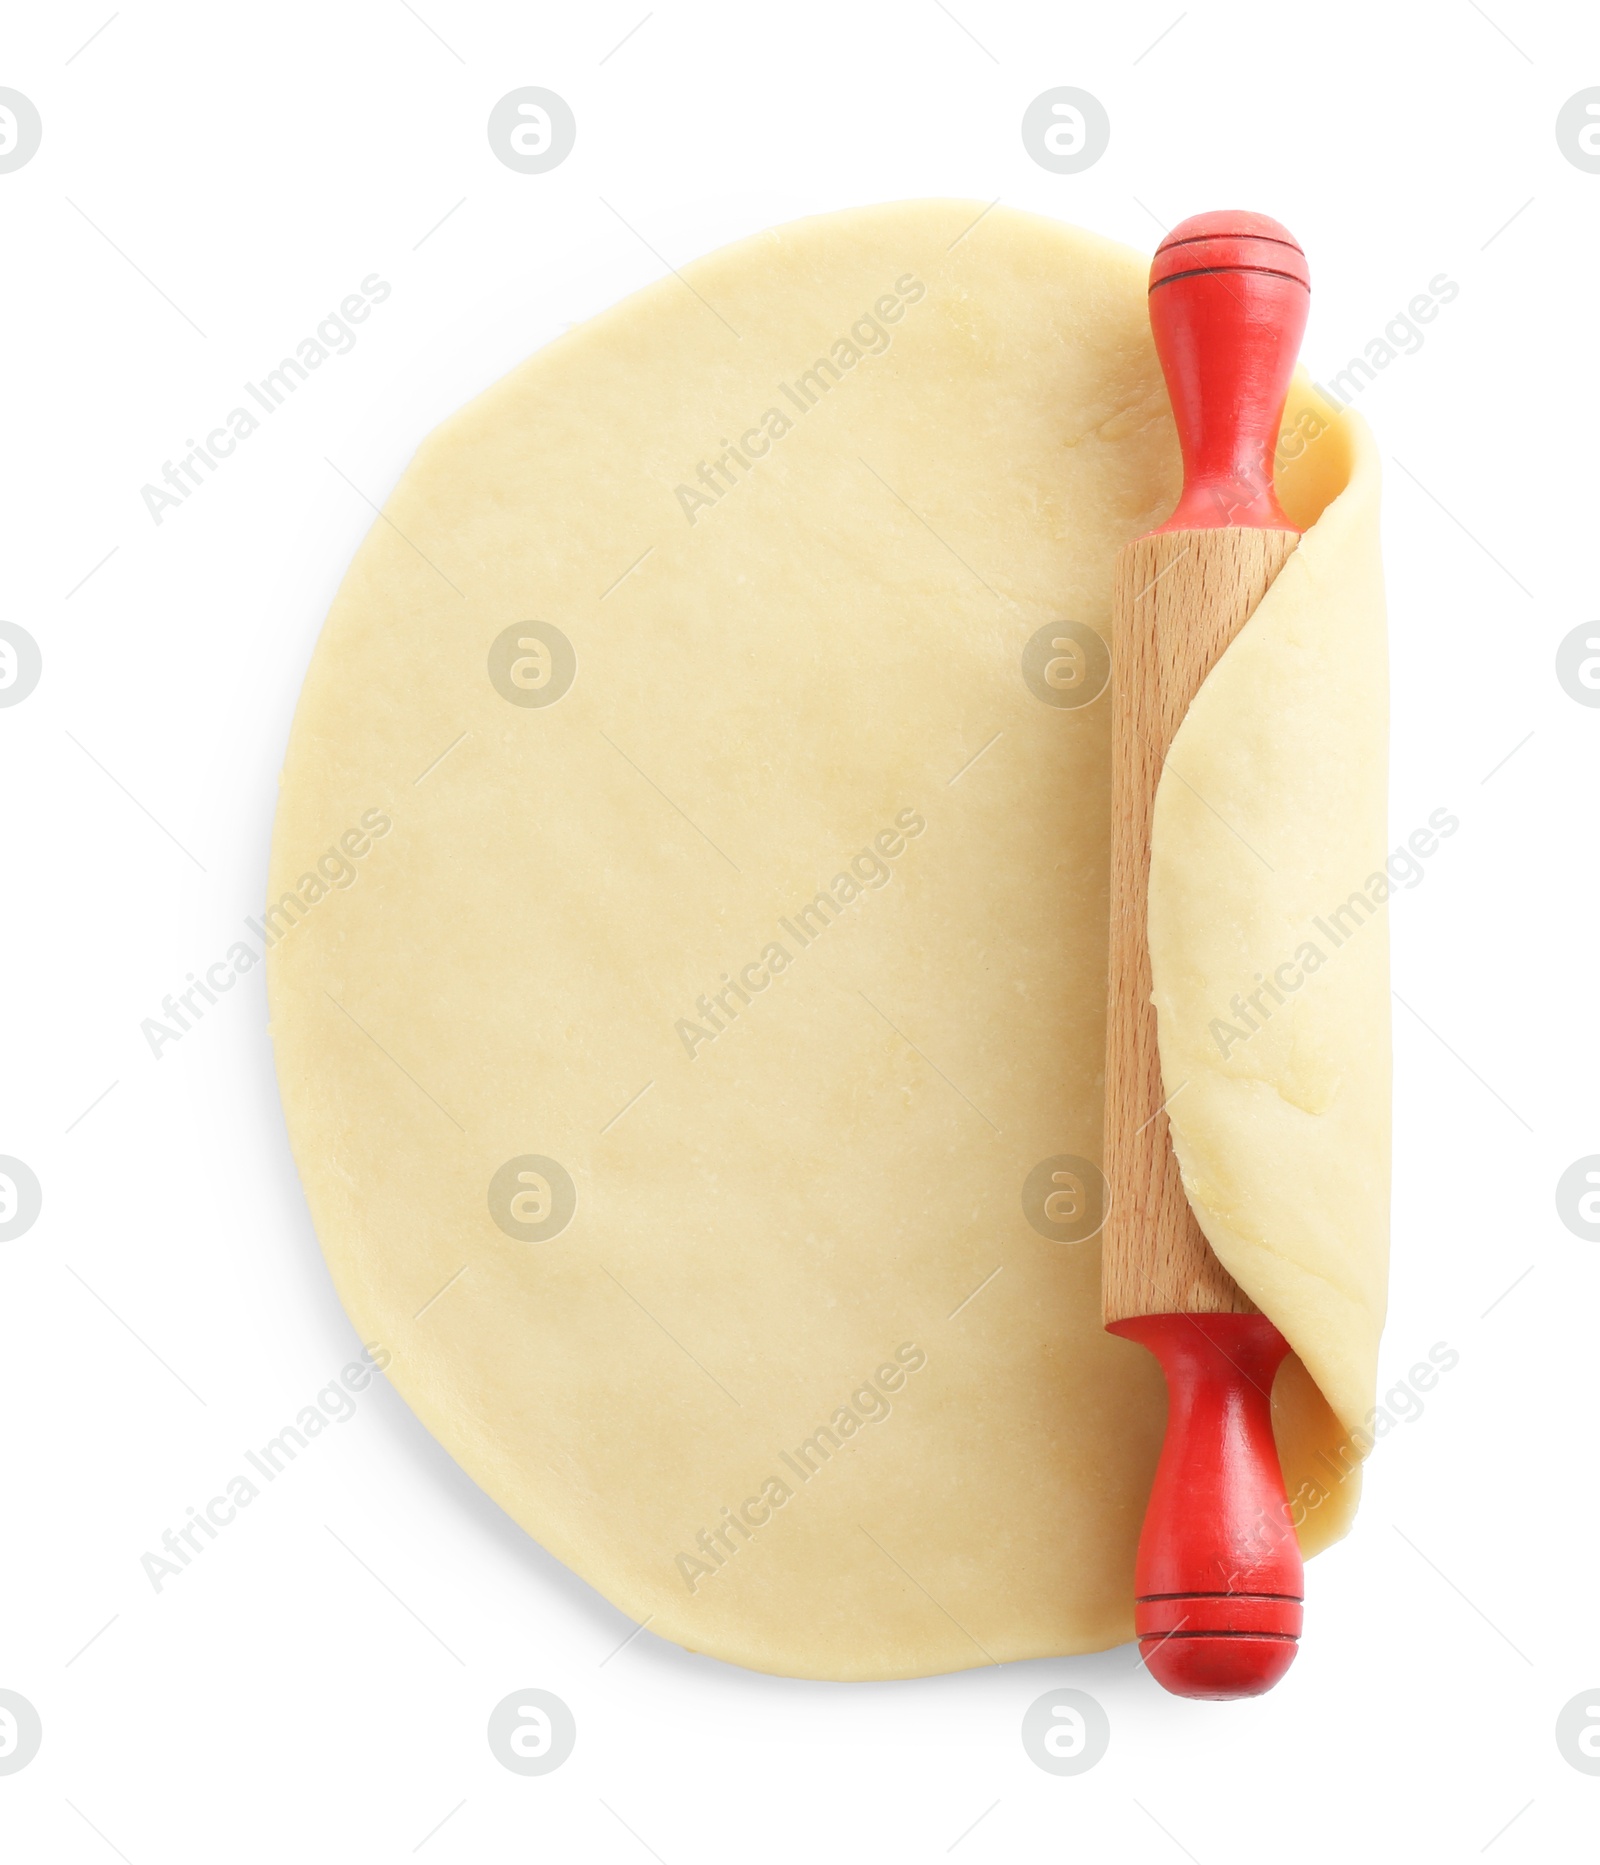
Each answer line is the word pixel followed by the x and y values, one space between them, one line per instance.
pixel 1269 944
pixel 696 1083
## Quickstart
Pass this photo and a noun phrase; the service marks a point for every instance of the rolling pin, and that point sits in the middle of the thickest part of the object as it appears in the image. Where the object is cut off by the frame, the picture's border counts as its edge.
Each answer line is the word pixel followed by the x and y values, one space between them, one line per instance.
pixel 1218 1578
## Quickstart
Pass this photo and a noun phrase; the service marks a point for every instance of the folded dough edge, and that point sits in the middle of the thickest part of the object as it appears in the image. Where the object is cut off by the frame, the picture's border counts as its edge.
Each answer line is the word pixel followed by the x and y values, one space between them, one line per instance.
pixel 1269 950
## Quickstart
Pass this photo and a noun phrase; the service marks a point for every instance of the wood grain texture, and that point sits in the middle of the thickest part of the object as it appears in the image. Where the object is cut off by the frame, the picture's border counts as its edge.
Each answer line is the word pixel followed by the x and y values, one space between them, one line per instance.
pixel 1180 598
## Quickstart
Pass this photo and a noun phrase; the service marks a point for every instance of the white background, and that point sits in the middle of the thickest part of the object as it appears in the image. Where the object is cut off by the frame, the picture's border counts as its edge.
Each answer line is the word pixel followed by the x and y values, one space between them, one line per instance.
pixel 235 171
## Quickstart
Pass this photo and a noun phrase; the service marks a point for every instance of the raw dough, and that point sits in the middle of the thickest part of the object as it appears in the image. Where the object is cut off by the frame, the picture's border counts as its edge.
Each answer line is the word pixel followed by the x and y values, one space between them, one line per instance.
pixel 1268 882
pixel 730 1233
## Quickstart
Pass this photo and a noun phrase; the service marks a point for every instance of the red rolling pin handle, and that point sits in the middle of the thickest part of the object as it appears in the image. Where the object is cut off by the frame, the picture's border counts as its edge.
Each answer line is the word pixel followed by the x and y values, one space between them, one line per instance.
pixel 1219 1580
pixel 1229 295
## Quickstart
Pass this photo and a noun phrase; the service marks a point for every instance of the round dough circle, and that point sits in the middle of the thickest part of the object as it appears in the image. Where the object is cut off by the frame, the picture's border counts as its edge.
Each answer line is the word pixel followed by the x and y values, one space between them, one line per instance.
pixel 759 888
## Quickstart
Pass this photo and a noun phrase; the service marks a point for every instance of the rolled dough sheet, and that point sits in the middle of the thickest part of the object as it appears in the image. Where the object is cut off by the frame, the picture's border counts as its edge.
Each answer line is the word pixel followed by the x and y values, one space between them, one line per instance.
pixel 1269 940
pixel 691 1078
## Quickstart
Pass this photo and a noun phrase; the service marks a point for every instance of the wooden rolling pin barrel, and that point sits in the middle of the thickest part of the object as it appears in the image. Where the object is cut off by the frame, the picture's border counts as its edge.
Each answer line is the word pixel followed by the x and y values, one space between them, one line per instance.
pixel 1218 1578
